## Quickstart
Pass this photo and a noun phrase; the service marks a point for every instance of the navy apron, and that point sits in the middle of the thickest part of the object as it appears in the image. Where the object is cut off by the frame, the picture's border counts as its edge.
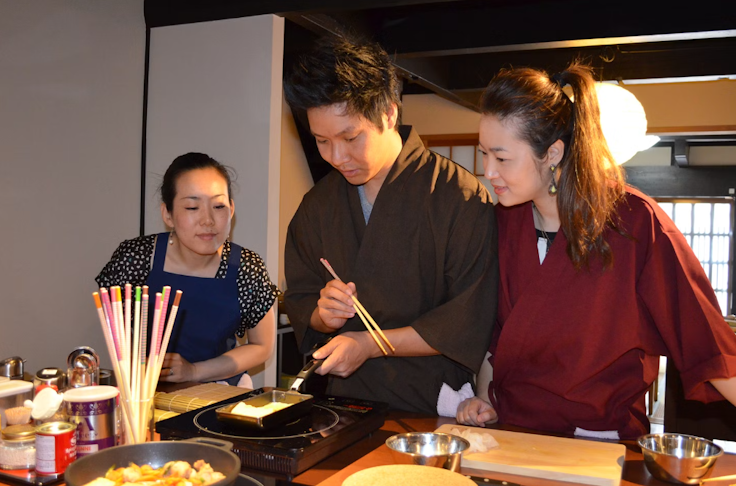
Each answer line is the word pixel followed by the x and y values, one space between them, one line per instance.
pixel 209 313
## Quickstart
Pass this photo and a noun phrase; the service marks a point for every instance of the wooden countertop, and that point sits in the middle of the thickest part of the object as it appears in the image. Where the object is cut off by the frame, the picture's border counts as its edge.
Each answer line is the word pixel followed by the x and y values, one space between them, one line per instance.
pixel 372 451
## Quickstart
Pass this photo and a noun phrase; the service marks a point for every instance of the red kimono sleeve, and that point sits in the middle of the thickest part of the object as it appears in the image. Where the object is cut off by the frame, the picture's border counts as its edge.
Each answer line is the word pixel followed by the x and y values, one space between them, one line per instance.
pixel 684 309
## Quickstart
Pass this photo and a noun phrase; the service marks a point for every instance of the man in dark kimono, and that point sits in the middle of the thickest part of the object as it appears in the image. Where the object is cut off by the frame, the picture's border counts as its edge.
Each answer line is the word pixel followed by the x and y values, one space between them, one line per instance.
pixel 409 232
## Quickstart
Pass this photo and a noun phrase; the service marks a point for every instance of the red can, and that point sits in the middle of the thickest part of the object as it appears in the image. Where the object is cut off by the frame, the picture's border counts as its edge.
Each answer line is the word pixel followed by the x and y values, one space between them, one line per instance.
pixel 56 447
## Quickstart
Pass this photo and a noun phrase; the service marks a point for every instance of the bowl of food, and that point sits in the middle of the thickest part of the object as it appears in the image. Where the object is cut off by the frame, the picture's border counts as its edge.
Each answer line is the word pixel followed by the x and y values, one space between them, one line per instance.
pixel 428 449
pixel 679 458
pixel 211 459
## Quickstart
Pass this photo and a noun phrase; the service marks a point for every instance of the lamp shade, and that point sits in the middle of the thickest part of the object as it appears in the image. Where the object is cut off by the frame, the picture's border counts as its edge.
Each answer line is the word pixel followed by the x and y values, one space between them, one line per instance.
pixel 623 122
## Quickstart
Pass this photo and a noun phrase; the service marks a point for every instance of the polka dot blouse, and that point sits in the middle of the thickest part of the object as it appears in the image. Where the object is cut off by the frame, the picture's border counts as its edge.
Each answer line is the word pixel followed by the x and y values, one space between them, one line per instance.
pixel 131 263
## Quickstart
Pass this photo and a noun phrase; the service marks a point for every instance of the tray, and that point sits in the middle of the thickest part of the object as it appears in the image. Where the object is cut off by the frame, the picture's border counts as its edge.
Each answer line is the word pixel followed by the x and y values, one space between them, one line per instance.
pixel 28 477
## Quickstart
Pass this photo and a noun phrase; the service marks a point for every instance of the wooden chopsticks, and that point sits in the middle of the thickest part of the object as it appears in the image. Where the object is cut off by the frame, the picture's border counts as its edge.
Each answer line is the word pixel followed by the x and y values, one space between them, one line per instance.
pixel 363 314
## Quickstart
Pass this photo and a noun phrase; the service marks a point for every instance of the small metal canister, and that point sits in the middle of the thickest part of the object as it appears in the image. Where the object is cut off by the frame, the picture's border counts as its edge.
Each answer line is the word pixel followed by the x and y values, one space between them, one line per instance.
pixel 93 409
pixel 56 447
pixel 83 368
pixel 12 368
pixel 107 377
pixel 52 377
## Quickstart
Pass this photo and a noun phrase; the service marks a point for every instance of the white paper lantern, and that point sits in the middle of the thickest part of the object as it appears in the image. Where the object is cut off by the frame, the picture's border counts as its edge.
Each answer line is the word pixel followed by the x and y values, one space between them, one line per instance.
pixel 623 122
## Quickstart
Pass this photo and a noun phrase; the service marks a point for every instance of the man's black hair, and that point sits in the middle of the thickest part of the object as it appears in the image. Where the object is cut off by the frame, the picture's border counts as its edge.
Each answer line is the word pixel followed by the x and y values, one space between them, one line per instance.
pixel 360 75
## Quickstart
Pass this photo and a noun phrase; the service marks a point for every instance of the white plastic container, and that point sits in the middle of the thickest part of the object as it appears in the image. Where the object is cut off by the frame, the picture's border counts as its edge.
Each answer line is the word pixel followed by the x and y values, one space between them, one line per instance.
pixel 12 394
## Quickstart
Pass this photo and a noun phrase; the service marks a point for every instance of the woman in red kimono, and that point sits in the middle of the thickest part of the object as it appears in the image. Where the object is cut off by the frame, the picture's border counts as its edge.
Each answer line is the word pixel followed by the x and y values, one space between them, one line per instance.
pixel 596 282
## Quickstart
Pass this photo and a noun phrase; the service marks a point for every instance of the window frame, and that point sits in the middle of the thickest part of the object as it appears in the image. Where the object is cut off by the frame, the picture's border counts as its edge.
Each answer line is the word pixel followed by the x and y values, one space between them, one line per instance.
pixel 711 200
pixel 457 140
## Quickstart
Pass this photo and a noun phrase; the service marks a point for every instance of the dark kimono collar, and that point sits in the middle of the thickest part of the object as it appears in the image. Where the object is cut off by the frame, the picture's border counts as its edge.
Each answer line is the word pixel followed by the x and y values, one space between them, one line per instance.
pixel 411 151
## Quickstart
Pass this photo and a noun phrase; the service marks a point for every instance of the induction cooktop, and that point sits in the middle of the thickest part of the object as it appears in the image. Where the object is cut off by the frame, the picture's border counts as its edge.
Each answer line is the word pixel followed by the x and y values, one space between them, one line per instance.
pixel 332 424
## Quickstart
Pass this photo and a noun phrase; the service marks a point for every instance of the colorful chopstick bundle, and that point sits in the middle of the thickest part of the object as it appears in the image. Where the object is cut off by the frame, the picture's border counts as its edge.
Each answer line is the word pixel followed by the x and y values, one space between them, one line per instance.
pixel 124 321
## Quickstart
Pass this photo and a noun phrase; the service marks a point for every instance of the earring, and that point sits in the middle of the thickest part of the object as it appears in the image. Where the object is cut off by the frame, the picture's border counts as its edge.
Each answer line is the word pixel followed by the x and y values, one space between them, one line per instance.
pixel 171 238
pixel 553 185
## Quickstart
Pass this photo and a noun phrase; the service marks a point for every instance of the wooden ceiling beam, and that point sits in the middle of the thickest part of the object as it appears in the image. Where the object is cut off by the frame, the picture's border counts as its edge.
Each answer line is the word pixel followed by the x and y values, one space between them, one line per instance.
pixel 454 47
pixel 159 13
pixel 713 57
pixel 422 72
pixel 481 27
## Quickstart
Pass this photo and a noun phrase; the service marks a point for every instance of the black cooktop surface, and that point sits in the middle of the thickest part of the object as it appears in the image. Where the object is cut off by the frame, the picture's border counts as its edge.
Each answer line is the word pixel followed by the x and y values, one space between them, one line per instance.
pixel 332 424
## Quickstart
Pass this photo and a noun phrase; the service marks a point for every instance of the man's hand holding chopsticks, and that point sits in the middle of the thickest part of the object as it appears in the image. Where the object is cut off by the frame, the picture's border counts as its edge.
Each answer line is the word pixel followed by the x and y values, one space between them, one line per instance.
pixel 334 307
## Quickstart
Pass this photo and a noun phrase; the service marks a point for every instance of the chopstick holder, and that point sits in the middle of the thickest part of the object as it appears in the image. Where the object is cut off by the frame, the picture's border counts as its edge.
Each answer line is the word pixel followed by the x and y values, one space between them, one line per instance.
pixel 136 378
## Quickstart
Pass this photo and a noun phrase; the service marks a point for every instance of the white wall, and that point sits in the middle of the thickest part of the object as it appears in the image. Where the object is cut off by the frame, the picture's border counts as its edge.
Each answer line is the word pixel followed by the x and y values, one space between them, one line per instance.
pixel 71 91
pixel 431 115
pixel 296 180
pixel 215 87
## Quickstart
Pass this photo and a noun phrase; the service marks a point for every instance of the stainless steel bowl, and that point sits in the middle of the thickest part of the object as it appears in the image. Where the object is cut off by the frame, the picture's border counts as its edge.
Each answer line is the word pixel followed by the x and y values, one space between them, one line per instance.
pixel 679 458
pixel 428 449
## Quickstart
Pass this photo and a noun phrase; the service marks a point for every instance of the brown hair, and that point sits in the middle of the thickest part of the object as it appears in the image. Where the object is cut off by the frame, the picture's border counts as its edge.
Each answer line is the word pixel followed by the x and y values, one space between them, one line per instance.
pixel 590 184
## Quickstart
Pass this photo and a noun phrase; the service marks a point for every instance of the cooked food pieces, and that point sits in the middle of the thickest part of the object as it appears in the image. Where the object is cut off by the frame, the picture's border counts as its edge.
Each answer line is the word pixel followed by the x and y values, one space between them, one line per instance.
pixel 101 482
pixel 243 408
pixel 174 473
pixel 479 441
pixel 407 475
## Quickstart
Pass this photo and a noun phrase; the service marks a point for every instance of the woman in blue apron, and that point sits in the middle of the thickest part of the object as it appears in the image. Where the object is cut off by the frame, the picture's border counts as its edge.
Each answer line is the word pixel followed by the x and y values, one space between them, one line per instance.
pixel 226 288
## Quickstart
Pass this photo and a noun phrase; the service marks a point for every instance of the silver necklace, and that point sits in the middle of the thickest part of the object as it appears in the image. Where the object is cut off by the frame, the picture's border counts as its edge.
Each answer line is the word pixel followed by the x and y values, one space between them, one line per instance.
pixel 537 216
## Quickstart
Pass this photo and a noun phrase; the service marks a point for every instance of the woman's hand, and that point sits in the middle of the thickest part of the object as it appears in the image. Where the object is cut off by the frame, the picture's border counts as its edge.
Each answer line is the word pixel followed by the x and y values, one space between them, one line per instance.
pixel 476 412
pixel 260 346
pixel 177 370
pixel 334 307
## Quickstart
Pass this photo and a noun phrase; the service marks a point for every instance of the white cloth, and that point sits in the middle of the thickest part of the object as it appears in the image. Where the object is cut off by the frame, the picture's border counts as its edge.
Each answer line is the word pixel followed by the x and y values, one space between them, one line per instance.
pixel 727 445
pixel 449 399
pixel 597 434
pixel 245 382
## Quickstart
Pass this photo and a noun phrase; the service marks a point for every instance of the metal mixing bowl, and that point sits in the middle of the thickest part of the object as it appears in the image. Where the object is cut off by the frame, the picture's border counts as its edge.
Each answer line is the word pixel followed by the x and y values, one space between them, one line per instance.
pixel 679 458
pixel 428 449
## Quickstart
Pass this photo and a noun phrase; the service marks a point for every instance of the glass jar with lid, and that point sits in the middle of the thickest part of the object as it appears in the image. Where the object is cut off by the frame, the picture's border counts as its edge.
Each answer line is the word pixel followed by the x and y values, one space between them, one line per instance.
pixel 18 447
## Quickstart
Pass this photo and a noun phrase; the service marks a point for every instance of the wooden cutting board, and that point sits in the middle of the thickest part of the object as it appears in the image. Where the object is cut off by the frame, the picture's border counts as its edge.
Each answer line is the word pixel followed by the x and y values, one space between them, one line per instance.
pixel 542 456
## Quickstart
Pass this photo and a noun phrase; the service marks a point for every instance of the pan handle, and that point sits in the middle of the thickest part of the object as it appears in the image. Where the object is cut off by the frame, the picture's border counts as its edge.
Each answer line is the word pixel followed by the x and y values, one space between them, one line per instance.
pixel 319 345
pixel 222 444
pixel 309 369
